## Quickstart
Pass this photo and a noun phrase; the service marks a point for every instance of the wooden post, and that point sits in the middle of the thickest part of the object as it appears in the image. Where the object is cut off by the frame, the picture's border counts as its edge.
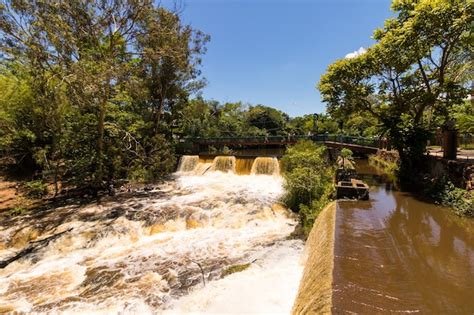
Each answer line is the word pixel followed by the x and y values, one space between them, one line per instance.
pixel 450 144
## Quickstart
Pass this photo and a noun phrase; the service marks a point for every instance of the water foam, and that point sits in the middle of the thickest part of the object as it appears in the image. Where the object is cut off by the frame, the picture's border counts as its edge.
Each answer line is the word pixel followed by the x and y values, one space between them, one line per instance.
pixel 143 253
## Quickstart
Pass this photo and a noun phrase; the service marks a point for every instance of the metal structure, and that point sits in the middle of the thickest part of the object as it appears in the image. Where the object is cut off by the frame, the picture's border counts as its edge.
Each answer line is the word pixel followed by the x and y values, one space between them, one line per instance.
pixel 357 144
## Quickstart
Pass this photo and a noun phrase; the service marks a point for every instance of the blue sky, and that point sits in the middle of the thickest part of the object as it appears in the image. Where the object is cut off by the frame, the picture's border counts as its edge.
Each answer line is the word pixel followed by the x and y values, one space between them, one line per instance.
pixel 273 52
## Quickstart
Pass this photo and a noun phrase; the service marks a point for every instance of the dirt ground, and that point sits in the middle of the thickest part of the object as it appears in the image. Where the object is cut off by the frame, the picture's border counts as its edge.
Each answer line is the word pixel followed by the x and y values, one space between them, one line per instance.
pixel 12 197
pixel 8 195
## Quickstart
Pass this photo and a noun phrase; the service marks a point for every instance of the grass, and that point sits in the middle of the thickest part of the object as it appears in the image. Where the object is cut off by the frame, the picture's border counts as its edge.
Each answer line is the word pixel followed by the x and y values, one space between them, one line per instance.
pixel 390 168
pixel 467 146
pixel 461 146
pixel 19 210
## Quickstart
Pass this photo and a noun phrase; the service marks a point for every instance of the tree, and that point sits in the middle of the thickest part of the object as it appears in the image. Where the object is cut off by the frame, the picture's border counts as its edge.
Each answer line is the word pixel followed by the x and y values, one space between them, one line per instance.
pixel 346 155
pixel 107 77
pixel 168 68
pixel 81 43
pixel 308 180
pixel 361 124
pixel 464 116
pixel 413 69
pixel 267 118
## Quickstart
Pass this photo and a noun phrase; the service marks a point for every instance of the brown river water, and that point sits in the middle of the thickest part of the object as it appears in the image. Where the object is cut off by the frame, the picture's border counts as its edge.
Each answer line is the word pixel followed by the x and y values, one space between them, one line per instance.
pixel 397 254
pixel 166 251
pixel 161 252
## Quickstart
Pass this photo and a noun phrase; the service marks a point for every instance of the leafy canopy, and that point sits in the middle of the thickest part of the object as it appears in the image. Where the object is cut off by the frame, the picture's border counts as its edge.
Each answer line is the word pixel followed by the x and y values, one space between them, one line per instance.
pixel 416 70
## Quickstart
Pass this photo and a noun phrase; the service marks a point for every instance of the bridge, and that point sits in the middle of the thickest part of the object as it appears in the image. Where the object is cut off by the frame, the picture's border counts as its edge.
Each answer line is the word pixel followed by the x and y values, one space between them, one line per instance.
pixel 356 144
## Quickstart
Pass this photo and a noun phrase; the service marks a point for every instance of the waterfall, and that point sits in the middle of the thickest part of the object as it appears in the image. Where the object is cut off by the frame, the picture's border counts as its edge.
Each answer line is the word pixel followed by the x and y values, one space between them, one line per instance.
pixel 244 165
pixel 195 165
pixel 224 164
pixel 188 163
pixel 143 253
pixel 266 166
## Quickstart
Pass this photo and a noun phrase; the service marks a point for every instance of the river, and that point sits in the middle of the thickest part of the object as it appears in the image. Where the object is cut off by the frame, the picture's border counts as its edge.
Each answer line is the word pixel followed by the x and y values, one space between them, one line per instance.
pixel 168 251
pixel 164 251
pixel 396 253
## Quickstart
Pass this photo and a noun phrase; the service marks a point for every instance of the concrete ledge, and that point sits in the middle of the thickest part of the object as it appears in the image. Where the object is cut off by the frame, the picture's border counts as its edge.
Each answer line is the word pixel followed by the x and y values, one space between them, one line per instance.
pixel 315 291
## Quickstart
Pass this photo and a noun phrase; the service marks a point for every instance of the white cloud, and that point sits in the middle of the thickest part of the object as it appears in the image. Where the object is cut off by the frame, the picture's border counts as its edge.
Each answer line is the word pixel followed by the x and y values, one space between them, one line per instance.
pixel 356 53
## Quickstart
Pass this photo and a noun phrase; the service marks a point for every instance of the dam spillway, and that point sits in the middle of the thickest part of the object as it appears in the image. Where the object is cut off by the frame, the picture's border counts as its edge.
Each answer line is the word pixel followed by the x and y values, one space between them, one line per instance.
pixel 195 165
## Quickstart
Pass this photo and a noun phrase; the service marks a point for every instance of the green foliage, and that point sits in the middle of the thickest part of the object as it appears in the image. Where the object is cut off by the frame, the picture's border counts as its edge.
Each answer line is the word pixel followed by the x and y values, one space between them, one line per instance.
pixel 464 116
pixel 302 125
pixel 445 193
pixel 388 167
pixel 266 118
pixel 226 150
pixel 309 213
pixel 459 199
pixel 346 153
pixel 308 180
pixel 410 139
pixel 201 118
pixel 36 189
pixel 92 90
pixel 410 79
pixel 361 124
pixel 159 160
pixel 19 210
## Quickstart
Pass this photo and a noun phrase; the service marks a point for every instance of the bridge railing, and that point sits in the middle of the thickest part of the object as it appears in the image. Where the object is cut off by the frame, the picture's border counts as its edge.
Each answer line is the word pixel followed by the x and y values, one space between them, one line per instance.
pixel 369 142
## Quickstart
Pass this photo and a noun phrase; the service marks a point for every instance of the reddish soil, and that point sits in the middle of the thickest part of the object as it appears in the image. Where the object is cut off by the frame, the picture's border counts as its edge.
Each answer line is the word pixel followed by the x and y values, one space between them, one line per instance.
pixel 8 195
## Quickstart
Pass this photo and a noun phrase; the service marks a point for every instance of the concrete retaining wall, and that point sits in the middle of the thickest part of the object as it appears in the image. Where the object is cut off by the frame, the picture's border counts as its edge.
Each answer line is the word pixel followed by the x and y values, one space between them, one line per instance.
pixel 315 291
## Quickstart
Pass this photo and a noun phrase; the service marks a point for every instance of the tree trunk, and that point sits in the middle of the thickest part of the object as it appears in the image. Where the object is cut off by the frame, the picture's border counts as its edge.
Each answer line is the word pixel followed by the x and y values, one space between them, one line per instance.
pixel 56 187
pixel 100 147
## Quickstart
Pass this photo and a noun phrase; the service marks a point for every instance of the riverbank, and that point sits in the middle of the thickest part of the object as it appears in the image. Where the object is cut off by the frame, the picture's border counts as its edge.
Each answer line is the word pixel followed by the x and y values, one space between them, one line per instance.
pixel 438 180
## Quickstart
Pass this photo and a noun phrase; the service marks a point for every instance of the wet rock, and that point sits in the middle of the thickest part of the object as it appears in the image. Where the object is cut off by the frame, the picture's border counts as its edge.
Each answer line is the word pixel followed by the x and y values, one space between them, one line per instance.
pixel 23 237
pixel 148 188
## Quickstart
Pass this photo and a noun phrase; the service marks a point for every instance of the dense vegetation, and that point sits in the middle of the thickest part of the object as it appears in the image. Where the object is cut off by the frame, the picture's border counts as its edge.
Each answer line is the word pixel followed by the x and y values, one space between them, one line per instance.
pixel 92 87
pixel 414 79
pixel 208 118
pixel 443 192
pixel 308 181
pixel 96 91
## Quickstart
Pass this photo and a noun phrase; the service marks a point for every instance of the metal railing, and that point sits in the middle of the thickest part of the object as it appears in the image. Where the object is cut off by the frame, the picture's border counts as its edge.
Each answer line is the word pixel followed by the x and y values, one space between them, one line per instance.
pixel 321 138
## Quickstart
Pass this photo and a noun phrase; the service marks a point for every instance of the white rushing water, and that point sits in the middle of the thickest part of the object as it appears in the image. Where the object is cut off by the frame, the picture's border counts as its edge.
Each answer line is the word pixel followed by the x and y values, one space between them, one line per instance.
pixel 164 251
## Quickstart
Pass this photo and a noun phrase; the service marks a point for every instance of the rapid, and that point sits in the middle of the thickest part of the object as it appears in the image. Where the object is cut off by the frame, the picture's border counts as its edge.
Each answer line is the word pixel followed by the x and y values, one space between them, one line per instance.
pixel 163 251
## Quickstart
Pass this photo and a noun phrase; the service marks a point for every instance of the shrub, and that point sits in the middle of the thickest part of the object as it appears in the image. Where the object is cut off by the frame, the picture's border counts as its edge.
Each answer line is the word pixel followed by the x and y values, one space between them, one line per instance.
pixel 36 189
pixel 445 193
pixel 158 161
pixel 19 210
pixel 308 180
pixel 459 199
pixel 346 154
pixel 226 151
pixel 391 168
